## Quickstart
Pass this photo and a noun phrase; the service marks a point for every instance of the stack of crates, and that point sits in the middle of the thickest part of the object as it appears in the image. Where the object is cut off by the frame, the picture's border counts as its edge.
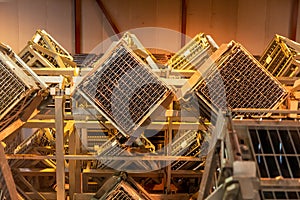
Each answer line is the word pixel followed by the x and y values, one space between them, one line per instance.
pixel 233 79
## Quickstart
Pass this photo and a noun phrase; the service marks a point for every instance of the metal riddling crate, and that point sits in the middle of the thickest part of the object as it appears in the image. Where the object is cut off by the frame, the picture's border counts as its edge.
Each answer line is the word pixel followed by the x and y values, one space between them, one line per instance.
pixel 123 89
pixel 113 148
pixel 4 193
pixel 188 144
pixel 86 60
pixel 110 148
pixel 45 40
pixel 282 57
pixel 194 53
pixel 36 56
pixel 124 191
pixel 136 46
pixel 17 90
pixel 40 138
pixel 122 187
pixel 275 193
pixel 233 79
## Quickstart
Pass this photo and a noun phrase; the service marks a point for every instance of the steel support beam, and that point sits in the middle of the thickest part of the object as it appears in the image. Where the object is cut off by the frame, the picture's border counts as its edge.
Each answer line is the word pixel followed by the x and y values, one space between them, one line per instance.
pixel 183 21
pixel 108 17
pixel 74 165
pixel 294 20
pixel 60 161
pixel 77 12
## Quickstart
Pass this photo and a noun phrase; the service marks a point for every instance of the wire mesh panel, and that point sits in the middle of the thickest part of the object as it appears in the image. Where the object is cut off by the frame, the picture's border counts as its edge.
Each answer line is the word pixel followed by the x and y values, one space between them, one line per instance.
pixel 276 151
pixel 282 57
pixel 16 90
pixel 188 144
pixel 123 89
pixel 122 187
pixel 113 148
pixel 194 53
pixel 110 148
pixel 277 194
pixel 232 78
pixel 124 192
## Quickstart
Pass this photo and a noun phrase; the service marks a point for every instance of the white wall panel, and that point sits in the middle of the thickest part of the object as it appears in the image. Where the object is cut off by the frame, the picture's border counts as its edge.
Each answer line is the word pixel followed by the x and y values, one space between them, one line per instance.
pixel 32 15
pixel 9 23
pixel 251 30
pixel 253 23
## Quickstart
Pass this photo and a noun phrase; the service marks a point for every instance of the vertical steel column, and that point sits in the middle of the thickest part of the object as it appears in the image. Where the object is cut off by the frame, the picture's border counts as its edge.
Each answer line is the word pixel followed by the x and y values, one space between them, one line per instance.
pixel 74 165
pixel 60 161
pixel 294 20
pixel 77 12
pixel 183 21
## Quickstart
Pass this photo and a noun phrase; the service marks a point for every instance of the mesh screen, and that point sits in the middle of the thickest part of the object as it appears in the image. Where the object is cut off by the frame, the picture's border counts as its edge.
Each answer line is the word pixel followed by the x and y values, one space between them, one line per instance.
pixel 279 57
pixel 276 152
pixel 275 60
pixel 11 87
pixel 120 194
pixel 123 88
pixel 244 82
pixel 185 58
pixel 275 194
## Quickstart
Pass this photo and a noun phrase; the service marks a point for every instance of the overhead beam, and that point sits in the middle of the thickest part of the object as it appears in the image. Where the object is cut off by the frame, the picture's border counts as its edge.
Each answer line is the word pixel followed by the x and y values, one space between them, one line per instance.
pixel 60 161
pixel 294 20
pixel 77 13
pixel 108 17
pixel 183 21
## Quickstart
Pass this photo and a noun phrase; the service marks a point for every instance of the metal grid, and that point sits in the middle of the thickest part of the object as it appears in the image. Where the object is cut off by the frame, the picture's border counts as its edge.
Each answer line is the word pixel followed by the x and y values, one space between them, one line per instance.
pixel 237 80
pixel 281 57
pixel 11 87
pixel 273 194
pixel 276 152
pixel 188 144
pixel 119 194
pixel 17 90
pixel 124 89
pixel 194 53
pixel 124 191
pixel 110 148
pixel 38 139
pixel 86 60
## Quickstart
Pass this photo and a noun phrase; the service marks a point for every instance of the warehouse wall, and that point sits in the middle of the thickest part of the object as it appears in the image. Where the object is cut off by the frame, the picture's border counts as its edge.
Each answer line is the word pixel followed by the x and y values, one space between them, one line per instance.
pixel 21 18
pixel 251 22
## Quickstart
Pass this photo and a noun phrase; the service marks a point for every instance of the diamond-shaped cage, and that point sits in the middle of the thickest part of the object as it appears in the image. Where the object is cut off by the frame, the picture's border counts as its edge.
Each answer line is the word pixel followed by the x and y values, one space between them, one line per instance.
pixel 232 78
pixel 124 89
pixel 282 57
